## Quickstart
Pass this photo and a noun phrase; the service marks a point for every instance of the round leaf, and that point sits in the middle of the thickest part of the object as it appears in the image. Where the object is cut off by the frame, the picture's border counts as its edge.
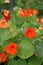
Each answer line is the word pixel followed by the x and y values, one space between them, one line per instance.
pixel 25 49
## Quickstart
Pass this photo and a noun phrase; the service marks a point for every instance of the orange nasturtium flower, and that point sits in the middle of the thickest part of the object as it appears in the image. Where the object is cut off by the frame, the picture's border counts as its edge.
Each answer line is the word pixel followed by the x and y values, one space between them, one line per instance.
pixel 35 12
pixel 22 12
pixel 2 57
pixel 11 48
pixel 6 14
pixel 3 23
pixel 29 12
pixel 30 33
pixel 25 13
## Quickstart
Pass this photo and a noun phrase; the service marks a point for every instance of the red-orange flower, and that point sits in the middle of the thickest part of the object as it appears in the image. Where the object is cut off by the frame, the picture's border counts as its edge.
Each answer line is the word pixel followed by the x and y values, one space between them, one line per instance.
pixel 22 12
pixel 25 13
pixel 2 57
pixel 35 11
pixel 11 48
pixel 3 23
pixel 6 14
pixel 30 33
pixel 29 12
pixel 39 20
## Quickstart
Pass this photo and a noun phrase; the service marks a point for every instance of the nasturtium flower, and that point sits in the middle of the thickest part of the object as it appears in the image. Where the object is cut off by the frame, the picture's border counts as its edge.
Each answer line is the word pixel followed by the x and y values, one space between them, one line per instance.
pixel 11 48
pixel 35 12
pixel 40 20
pixel 2 57
pixel 3 23
pixel 29 12
pixel 25 13
pixel 22 12
pixel 30 33
pixel 6 14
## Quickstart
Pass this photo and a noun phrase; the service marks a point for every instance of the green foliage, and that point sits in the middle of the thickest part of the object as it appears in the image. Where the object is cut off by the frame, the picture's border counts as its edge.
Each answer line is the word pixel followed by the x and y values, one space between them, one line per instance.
pixel 37 4
pixel 25 49
pixel 39 48
pixel 34 60
pixel 16 62
pixel 15 33
pixel 9 32
pixel 11 62
pixel 21 62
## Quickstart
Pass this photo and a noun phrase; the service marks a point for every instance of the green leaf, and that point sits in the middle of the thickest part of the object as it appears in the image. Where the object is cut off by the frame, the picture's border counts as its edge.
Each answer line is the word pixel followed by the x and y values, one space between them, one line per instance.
pixel 21 62
pixel 25 25
pixel 39 48
pixel 16 62
pixel 11 62
pixel 5 34
pixel 42 58
pixel 34 60
pixel 5 43
pixel 1 43
pixel 12 25
pixel 25 49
